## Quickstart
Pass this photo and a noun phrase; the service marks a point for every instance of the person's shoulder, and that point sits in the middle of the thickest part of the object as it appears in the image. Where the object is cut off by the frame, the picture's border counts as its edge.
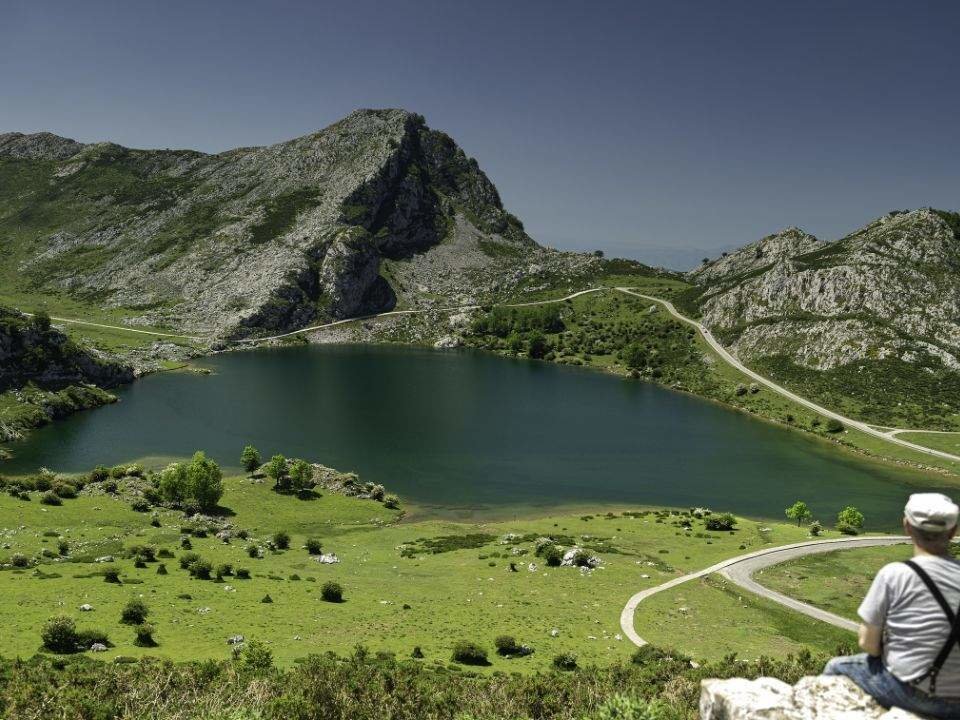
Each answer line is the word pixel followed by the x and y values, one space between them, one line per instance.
pixel 894 571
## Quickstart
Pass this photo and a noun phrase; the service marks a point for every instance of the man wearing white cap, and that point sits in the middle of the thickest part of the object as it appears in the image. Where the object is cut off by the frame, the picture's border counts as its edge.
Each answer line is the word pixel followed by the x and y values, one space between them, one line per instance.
pixel 911 619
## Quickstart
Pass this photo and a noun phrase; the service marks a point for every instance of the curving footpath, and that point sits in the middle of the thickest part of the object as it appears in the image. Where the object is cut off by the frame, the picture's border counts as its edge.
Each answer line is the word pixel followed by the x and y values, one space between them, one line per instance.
pixel 723 353
pixel 739 570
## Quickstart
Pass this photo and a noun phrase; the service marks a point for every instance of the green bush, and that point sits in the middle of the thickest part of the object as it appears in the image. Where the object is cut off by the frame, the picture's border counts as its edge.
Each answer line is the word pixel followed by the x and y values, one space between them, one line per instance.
pixel 187 559
pixel 313 546
pixel 255 657
pixel 506 645
pixel 243 574
pixel 250 458
pixel 161 569
pixel 140 505
pixel 331 592
pixel 565 661
pixel 469 653
pixel 19 560
pixel 99 474
pixel 50 498
pixel 59 634
pixel 144 636
pixel 134 612
pixel 201 569
pixel 253 551
pixel 281 540
pixel 111 574
pixel 834 425
pixel 63 547
pixel 724 521
pixel 553 556
pixel 65 491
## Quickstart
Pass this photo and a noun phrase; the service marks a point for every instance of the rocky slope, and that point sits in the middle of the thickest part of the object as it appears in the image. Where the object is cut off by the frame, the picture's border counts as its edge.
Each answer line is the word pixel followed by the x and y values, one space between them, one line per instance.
pixel 33 352
pixel 888 290
pixel 375 210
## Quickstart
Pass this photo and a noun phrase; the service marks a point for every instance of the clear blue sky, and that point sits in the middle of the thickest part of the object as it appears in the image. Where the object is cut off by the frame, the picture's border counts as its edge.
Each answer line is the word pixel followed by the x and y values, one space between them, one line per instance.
pixel 663 131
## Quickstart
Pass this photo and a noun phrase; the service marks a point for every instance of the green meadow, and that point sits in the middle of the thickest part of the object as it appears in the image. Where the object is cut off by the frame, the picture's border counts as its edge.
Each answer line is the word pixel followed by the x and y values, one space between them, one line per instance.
pixel 406 583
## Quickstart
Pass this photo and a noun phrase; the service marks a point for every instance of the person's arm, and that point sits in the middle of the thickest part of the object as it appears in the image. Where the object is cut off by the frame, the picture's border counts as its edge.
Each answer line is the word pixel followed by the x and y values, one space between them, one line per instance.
pixel 873 614
pixel 871 639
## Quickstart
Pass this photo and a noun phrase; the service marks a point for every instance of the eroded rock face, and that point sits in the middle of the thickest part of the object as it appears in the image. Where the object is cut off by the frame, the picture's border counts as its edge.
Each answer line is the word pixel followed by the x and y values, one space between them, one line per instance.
pixel 891 289
pixel 812 698
pixel 265 239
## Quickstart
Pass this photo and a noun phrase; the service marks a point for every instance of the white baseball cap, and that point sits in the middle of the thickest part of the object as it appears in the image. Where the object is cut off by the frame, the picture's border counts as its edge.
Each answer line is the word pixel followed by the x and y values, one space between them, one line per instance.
pixel 931 511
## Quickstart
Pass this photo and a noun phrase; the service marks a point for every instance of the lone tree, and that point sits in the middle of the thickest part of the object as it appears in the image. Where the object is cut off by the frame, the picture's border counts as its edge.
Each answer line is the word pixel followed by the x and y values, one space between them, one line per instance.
pixel 205 480
pixel 278 471
pixel 538 346
pixel 850 520
pixel 834 425
pixel 250 458
pixel 799 512
pixel 634 356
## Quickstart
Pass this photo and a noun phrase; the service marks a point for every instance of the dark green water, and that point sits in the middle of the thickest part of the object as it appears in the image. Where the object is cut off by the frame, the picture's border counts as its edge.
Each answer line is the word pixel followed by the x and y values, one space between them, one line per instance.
pixel 465 433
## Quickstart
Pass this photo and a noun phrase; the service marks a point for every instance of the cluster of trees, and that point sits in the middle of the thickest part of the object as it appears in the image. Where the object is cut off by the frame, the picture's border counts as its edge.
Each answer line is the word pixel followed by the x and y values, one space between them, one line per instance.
pixel 198 482
pixel 288 475
pixel 849 520
pixel 502 322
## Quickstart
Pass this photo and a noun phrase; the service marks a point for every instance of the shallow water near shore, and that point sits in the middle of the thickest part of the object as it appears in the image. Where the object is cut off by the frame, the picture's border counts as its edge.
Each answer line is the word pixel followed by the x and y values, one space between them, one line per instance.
pixel 464 434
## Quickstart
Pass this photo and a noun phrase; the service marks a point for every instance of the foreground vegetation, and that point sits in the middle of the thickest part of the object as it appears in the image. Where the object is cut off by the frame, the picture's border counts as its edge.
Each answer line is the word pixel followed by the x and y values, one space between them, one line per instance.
pixel 660 685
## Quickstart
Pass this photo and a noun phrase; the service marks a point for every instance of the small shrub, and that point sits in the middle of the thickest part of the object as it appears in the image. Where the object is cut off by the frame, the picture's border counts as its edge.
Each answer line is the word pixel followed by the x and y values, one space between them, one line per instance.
pixel 506 645
pixel 185 543
pixel 111 575
pixel 99 474
pixel 565 661
pixel 65 491
pixel 63 547
pixel 187 559
pixel 224 570
pixel 59 634
pixel 255 657
pixel 834 425
pixel 50 498
pixel 724 521
pixel 553 556
pixel 164 553
pixel 144 636
pixel 267 599
pixel 313 546
pixel 161 569
pixel 86 638
pixel 281 540
pixel 331 592
pixel 417 653
pixel 816 529
pixel 19 560
pixel 469 653
pixel 253 551
pixel 140 505
pixel 243 574
pixel 155 520
pixel 134 612
pixel 201 569
pixel 118 471
pixel 139 562
pixel 391 502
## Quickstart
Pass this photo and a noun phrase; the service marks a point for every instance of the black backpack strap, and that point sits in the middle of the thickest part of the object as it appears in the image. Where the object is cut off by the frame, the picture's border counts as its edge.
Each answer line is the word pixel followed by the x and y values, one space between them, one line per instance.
pixel 953 618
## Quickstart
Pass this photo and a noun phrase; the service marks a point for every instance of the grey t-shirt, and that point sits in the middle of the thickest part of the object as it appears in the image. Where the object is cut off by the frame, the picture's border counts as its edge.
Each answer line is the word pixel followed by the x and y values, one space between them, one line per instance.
pixel 914 625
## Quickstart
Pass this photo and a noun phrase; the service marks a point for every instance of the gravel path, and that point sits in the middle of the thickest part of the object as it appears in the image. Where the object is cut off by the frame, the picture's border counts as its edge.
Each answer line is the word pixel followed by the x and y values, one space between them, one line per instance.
pixel 740 569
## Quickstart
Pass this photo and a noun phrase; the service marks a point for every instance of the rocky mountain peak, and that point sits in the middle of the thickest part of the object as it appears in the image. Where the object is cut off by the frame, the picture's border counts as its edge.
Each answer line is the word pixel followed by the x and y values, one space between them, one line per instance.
pixel 765 252
pixel 38 146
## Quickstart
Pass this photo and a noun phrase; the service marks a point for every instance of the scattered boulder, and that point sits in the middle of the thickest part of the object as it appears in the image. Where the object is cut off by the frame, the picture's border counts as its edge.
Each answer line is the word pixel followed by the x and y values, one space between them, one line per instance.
pixel 98 647
pixel 327 558
pixel 235 640
pixel 86 607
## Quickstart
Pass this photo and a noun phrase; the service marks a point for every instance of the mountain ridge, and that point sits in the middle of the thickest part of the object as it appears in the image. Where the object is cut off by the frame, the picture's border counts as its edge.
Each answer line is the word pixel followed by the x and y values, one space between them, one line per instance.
pixel 345 221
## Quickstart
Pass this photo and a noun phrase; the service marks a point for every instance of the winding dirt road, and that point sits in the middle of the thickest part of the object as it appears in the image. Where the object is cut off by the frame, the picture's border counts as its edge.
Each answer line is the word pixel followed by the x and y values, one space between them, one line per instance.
pixel 730 359
pixel 739 570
